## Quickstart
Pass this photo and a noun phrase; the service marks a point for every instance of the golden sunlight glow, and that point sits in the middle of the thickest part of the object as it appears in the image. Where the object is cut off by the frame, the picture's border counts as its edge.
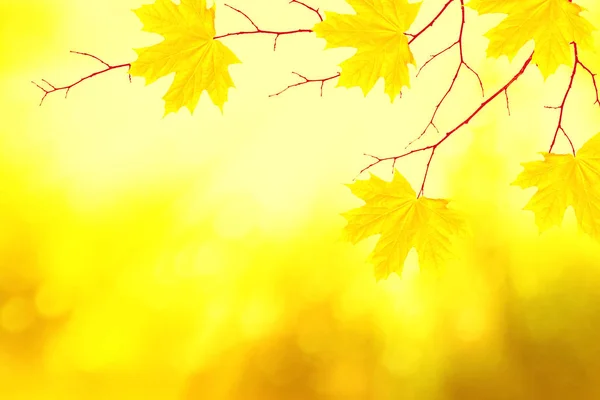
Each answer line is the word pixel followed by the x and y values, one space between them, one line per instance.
pixel 199 257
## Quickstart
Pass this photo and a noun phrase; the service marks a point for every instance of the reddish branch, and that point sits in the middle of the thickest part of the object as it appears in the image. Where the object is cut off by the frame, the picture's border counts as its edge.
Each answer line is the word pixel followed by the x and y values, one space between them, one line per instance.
pixel 593 75
pixel 262 31
pixel 306 80
pixel 559 127
pixel 461 64
pixel 337 75
pixel 430 24
pixel 435 146
pixel 315 10
pixel 67 88
pixel 561 107
pixel 52 88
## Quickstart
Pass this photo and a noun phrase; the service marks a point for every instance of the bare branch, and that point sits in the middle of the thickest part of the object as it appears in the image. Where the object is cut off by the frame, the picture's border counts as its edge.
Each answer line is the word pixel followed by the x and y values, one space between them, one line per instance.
pixel 433 57
pixel 67 88
pixel 90 55
pixel 593 75
pixel 434 146
pixel 462 63
pixel 306 80
pixel 260 31
pixel 507 101
pixel 244 14
pixel 559 127
pixel 430 24
pixel 315 10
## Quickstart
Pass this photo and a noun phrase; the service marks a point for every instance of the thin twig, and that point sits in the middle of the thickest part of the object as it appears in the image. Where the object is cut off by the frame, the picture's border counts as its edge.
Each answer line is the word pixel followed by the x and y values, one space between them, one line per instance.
pixel 67 88
pixel 430 24
pixel 315 10
pixel 306 80
pixel 462 63
pixel 559 127
pixel 412 36
pixel 260 31
pixel 593 75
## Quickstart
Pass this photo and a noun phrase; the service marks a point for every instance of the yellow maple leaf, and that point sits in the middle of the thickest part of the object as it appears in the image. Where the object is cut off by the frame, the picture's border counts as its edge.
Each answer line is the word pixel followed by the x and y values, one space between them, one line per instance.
pixel 564 180
pixel 377 32
pixel 404 221
pixel 189 50
pixel 551 24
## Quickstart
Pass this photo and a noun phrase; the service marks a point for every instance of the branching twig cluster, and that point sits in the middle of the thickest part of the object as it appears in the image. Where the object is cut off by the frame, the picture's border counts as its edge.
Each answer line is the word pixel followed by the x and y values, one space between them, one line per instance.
pixel 280 33
pixel 462 64
pixel 67 88
pixel 412 36
pixel 434 146
pixel 266 32
pixel 504 90
pixel 52 88
pixel 561 107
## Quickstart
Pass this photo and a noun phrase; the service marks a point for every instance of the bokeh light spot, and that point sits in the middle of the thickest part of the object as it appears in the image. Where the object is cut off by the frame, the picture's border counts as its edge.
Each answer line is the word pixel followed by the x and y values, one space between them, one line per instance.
pixel 17 314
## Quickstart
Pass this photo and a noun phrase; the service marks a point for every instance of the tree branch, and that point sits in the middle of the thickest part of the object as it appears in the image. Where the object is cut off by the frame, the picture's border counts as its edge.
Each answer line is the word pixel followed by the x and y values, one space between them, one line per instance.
pixel 434 146
pixel 559 127
pixel 52 88
pixel 306 80
pixel 430 24
pixel 507 101
pixel 262 31
pixel 315 10
pixel 593 75
pixel 462 63
pixel 67 88
pixel 413 37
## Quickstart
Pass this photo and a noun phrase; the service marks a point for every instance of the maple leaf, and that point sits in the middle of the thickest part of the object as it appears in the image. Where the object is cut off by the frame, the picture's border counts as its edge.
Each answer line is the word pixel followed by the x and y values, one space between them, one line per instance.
pixel 404 221
pixel 189 50
pixel 377 32
pixel 551 24
pixel 565 180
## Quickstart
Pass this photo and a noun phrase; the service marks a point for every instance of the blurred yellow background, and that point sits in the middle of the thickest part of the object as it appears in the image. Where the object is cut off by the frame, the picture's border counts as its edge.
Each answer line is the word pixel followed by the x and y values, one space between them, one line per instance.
pixel 198 257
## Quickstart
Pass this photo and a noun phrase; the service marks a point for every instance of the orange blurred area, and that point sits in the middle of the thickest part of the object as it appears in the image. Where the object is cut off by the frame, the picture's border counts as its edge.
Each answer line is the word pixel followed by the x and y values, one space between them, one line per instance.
pixel 200 257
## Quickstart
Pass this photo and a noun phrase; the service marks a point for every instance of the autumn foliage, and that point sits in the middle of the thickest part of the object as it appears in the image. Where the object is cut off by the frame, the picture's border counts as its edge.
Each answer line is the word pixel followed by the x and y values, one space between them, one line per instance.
pixel 381 33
